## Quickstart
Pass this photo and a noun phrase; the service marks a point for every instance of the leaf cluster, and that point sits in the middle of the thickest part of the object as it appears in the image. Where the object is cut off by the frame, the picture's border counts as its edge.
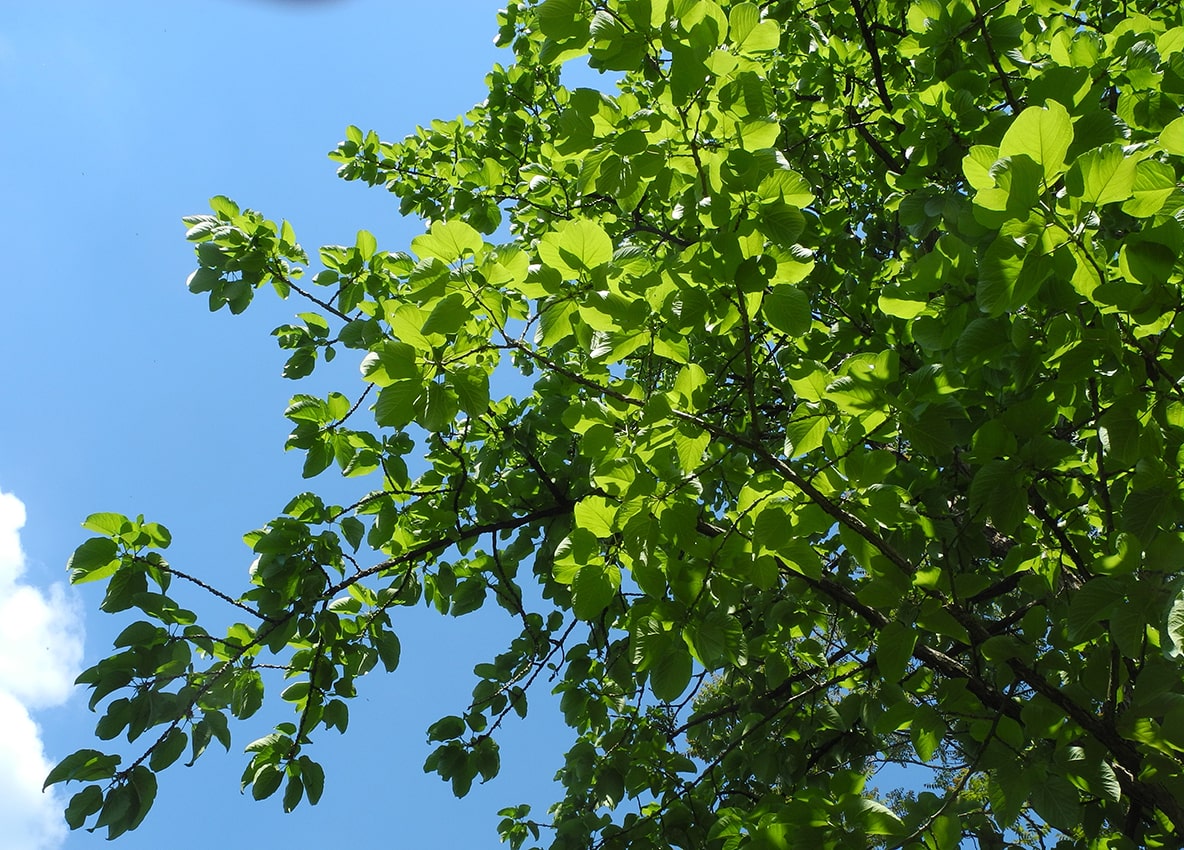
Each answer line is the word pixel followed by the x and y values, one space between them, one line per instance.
pixel 850 437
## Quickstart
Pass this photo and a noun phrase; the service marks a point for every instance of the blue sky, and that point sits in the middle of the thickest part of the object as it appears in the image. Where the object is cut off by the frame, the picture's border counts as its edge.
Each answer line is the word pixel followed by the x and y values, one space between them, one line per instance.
pixel 122 393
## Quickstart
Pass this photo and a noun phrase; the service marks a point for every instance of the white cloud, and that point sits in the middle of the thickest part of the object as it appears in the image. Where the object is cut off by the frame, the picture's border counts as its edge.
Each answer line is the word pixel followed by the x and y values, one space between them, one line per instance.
pixel 40 654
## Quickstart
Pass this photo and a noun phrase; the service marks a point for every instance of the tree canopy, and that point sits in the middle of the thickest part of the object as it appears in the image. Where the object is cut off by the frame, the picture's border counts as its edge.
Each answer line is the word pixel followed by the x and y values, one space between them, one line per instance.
pixel 846 435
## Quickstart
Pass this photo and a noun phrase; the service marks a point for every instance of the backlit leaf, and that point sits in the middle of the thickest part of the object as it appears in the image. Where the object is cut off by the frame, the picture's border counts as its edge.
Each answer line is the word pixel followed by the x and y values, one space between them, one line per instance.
pixel 1043 133
pixel 447 241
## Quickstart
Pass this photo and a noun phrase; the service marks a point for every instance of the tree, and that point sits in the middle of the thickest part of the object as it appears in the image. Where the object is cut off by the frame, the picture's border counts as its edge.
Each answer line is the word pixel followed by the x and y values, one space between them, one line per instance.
pixel 851 439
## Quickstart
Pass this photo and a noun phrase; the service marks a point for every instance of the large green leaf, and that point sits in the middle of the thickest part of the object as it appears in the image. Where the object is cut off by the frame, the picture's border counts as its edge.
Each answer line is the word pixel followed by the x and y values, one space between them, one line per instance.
pixel 787 309
pixel 97 558
pixel 447 241
pixel 576 247
pixel 1043 133
pixel 593 589
pixel 1104 175
pixel 671 672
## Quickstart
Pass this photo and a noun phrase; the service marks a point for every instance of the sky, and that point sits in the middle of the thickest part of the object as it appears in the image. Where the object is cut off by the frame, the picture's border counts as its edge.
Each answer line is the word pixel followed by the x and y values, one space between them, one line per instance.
pixel 122 393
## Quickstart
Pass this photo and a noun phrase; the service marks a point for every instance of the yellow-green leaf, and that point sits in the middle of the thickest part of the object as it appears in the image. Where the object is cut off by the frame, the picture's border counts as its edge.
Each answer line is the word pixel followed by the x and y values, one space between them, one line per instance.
pixel 447 241
pixel 575 247
pixel 1042 133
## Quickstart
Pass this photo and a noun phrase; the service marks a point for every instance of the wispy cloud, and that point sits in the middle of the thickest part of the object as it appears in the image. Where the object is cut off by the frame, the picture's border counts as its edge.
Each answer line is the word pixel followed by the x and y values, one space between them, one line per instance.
pixel 40 654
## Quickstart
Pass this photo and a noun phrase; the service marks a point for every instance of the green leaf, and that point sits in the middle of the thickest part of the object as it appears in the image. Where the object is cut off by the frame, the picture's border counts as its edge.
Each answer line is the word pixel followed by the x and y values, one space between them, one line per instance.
pixel 82 805
pixel 447 241
pixel 805 435
pixel 561 19
pixel 266 782
pixel 83 766
pixel 947 832
pixel 1008 790
pixel 353 530
pixel 997 490
pixel 448 316
pixel 783 223
pixel 894 301
pixel 787 309
pixel 765 37
pixel 1172 137
pixel 688 385
pixel 446 728
pixel 168 750
pixel 555 323
pixel 742 20
pixel 593 589
pixel 366 245
pixel 293 793
pixel 391 361
pixel 313 776
pixel 717 640
pixel 999 273
pixel 670 673
pixel 1042 133
pixel 407 322
pixel 107 524
pixel 1010 274
pixel 439 409
pixel 307 408
pixel 878 819
pixel 1057 802
pixel 1019 177
pixel 1154 183
pixel 389 648
pixel 246 697
pixel 1092 604
pixel 787 185
pixel 894 650
pixel 977 164
pixel 318 459
pixel 576 247
pixel 95 559
pixel 927 731
pixel 1174 646
pixel 1102 176
pixel 595 514
pixel 1148 259
pixel 397 404
pixel 471 384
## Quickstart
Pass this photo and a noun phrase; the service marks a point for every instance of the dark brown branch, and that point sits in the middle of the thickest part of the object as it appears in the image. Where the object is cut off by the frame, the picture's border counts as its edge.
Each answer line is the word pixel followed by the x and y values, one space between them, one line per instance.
pixel 897 165
pixel 324 305
pixel 454 536
pixel 869 40
pixel 1040 508
pixel 215 592
pixel 982 24
pixel 350 412
pixel 1141 792
pixel 1100 454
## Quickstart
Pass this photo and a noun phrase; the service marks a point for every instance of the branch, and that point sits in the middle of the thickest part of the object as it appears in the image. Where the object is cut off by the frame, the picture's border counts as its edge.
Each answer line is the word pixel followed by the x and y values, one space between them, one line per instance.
pixel 815 495
pixel 351 411
pixel 454 536
pixel 982 24
pixel 860 127
pixel 1100 454
pixel 215 592
pixel 932 658
pixel 1125 752
pixel 869 40
pixel 324 305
